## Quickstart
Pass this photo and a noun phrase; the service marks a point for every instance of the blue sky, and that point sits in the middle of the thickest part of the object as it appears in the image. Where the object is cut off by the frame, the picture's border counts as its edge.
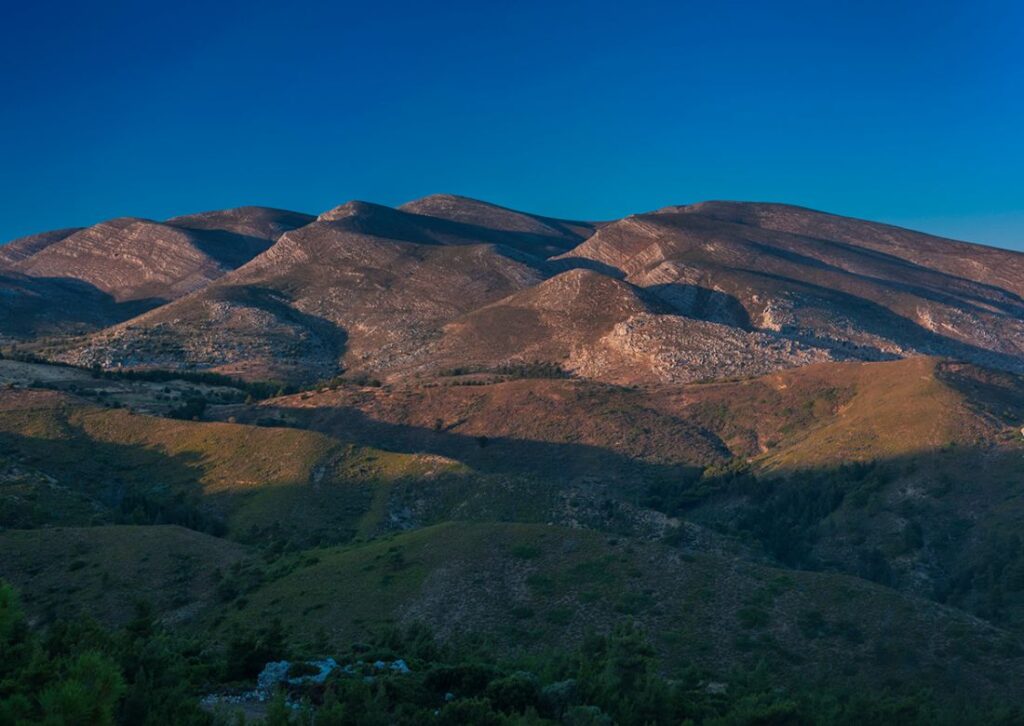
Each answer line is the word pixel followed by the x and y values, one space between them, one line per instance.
pixel 908 112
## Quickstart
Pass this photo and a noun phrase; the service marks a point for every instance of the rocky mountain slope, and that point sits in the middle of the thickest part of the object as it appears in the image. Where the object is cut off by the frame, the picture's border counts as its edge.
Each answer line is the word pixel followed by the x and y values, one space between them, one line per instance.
pixel 858 289
pixel 710 290
pixel 363 282
pixel 116 269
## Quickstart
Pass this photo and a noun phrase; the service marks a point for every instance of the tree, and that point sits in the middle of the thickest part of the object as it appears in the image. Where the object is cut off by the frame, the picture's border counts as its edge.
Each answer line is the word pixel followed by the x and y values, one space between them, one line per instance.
pixel 87 694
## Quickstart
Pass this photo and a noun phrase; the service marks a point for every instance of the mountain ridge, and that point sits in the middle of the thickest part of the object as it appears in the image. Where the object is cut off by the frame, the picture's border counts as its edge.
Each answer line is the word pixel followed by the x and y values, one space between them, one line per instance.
pixel 393 292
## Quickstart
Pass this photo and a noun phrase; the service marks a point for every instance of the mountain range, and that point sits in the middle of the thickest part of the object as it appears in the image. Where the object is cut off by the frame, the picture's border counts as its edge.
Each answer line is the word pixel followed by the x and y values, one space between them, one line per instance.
pixel 762 433
pixel 679 294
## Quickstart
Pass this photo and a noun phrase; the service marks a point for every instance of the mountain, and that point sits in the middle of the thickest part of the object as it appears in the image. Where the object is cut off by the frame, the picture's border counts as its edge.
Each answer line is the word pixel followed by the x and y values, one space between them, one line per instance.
pixel 759 449
pixel 858 289
pixel 716 289
pixel 117 269
pixel 602 328
pixel 364 286
pixel 542 236
pixel 24 247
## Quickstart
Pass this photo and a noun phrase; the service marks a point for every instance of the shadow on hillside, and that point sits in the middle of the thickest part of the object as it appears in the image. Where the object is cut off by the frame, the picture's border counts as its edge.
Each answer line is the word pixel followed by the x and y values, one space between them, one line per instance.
pixel 702 303
pixel 878 320
pixel 397 224
pixel 944 288
pixel 229 248
pixel 487 454
pixel 125 483
pixel 1014 307
pixel 938 522
pixel 565 264
pixel 32 306
pixel 993 393
pixel 326 342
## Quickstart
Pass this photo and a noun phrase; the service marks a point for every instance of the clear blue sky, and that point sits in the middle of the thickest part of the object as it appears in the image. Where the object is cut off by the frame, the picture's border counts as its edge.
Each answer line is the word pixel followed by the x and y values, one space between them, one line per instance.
pixel 909 112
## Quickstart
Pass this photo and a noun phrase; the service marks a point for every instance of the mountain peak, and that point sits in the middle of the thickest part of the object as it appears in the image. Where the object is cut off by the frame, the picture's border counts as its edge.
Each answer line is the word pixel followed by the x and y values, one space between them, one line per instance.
pixel 352 208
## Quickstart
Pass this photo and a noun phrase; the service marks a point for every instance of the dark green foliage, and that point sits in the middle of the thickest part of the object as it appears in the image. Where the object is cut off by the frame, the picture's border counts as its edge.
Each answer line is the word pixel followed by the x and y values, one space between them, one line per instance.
pixel 534 369
pixel 256 389
pixel 300 669
pixel 278 713
pixel 609 679
pixel 526 552
pixel 86 691
pixel 514 693
pixel 784 513
pixel 515 371
pixel 358 379
pixel 994 581
pixel 192 408
pixel 477 711
pixel 248 652
pixel 162 507
pixel 78 673
pixel 466 679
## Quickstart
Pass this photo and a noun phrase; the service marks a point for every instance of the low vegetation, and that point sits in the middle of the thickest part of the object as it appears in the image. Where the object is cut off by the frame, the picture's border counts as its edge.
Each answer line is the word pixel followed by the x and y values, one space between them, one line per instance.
pixel 78 672
pixel 690 531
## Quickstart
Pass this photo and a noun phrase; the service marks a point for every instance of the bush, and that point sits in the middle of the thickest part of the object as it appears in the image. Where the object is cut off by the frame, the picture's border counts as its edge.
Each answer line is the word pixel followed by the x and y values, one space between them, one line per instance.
pixel 476 711
pixel 514 693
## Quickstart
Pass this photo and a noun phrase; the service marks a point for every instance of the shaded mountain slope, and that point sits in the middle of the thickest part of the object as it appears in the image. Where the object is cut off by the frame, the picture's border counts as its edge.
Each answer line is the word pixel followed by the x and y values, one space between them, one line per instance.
pixel 34 308
pixel 64 572
pixel 263 223
pixel 988 266
pixel 63 461
pixel 541 236
pixel 905 472
pixel 114 270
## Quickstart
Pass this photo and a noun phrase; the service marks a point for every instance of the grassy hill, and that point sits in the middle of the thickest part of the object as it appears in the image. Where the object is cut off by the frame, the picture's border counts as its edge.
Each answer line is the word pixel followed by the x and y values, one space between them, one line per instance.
pixel 834 413
pixel 854 522
pixel 530 586
pixel 71 462
pixel 105 571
